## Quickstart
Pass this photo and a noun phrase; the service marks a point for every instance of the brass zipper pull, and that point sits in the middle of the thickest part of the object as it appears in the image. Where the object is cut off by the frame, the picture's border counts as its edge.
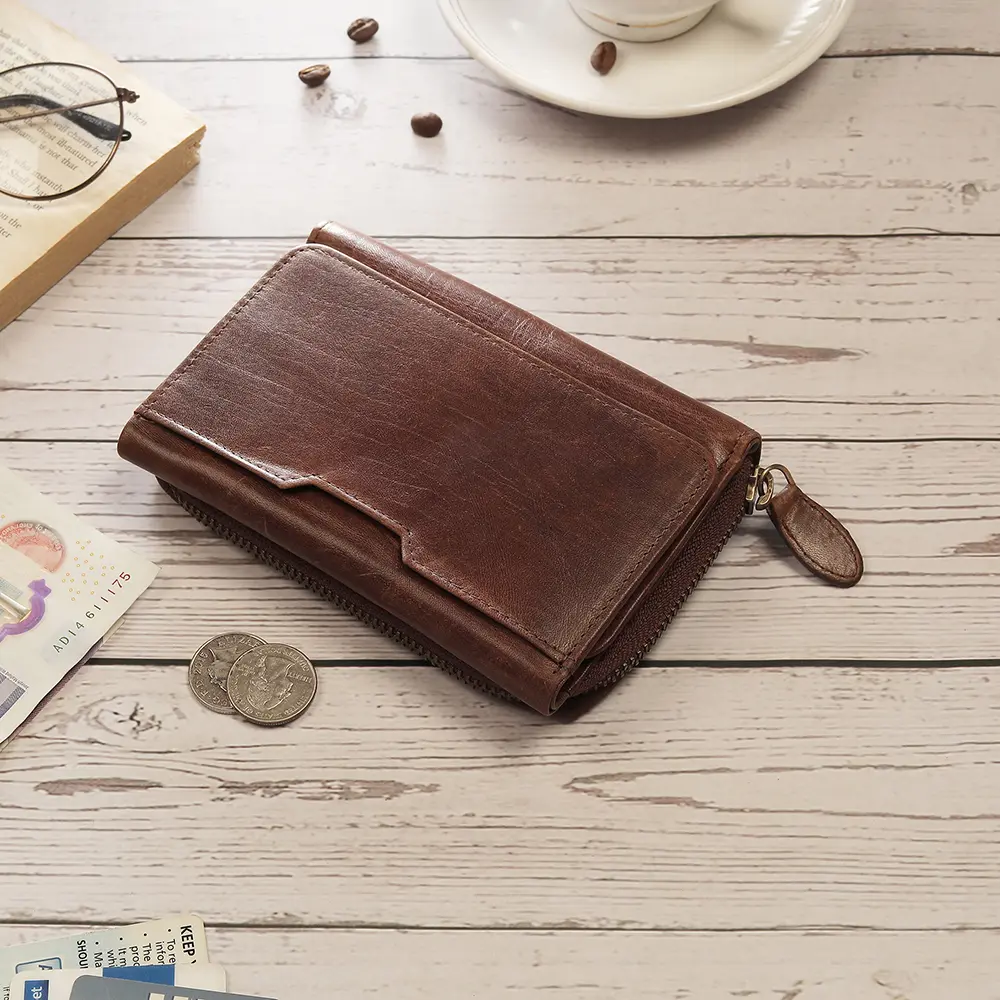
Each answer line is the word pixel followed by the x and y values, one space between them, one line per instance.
pixel 817 539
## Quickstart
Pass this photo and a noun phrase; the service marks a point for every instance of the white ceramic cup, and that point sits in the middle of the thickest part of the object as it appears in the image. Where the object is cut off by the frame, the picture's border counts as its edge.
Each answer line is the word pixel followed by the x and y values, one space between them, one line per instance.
pixel 642 20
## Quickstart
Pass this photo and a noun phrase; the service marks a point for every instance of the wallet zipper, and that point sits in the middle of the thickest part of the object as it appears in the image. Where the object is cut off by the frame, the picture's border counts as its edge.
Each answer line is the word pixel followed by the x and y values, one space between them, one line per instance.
pixel 228 529
pixel 706 543
pixel 808 546
pixel 636 658
pixel 754 496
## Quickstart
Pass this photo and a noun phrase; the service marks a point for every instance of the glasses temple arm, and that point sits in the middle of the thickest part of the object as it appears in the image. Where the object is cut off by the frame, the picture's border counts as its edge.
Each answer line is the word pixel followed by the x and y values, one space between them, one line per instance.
pixel 97 127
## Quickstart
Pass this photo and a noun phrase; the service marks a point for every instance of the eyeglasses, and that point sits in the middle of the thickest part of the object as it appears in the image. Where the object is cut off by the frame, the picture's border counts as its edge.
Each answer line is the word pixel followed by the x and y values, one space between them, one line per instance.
pixel 53 139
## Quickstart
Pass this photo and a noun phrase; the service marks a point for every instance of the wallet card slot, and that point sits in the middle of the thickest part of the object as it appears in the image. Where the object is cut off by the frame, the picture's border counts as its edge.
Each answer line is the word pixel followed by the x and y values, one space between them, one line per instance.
pixel 516 487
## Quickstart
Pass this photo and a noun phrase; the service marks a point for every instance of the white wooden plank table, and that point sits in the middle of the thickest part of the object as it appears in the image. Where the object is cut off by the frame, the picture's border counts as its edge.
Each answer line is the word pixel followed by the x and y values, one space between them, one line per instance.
pixel 802 806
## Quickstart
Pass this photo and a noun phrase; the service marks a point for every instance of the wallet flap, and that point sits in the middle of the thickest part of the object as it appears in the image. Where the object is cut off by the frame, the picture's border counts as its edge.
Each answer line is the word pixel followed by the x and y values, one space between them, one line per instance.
pixel 511 484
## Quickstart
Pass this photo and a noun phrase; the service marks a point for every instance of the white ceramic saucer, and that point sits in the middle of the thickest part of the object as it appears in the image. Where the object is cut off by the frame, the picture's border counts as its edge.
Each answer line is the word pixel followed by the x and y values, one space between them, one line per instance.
pixel 744 48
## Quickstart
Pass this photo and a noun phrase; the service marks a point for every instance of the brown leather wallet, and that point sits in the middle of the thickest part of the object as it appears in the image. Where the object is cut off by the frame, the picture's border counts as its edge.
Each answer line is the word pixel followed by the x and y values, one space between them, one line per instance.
pixel 516 506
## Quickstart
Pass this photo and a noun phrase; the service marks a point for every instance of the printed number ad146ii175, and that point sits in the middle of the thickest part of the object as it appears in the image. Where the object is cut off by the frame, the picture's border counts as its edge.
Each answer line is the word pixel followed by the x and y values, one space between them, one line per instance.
pixel 63 588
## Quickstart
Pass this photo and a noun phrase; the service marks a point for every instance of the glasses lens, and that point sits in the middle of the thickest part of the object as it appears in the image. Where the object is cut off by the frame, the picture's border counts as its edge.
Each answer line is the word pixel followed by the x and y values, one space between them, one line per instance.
pixel 59 125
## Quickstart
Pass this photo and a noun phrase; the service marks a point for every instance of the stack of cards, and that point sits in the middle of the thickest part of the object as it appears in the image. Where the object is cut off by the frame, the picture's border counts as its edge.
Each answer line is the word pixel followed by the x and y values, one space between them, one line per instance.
pixel 156 960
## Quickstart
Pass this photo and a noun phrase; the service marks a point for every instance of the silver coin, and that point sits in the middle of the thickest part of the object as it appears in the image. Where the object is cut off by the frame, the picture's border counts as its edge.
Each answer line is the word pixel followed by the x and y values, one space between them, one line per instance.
pixel 210 666
pixel 272 684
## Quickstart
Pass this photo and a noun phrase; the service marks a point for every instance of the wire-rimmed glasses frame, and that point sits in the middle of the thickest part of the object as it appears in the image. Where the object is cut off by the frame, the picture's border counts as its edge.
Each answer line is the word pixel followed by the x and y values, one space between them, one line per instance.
pixel 77 113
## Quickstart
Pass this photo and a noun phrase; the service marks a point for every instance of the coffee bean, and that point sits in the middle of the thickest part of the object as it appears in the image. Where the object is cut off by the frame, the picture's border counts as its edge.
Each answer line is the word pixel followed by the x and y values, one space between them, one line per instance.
pixel 603 57
pixel 313 76
pixel 428 124
pixel 362 29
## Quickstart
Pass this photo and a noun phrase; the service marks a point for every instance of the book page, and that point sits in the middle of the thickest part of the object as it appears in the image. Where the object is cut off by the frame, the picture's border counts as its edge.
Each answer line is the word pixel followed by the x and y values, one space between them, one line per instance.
pixel 29 229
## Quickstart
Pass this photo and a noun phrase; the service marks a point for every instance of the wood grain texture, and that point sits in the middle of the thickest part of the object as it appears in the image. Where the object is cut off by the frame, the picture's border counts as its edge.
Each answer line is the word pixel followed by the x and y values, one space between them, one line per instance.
pixel 801 832
pixel 495 965
pixel 827 338
pixel 313 29
pixel 927 521
pixel 850 147
pixel 689 798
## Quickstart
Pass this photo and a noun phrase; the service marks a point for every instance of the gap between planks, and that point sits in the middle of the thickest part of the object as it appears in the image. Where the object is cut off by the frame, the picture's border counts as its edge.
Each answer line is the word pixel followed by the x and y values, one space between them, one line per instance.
pixel 837 339
pixel 314 31
pixel 295 238
pixel 431 964
pixel 753 664
pixel 907 53
pixel 849 141
pixel 802 798
pixel 930 532
pixel 20 923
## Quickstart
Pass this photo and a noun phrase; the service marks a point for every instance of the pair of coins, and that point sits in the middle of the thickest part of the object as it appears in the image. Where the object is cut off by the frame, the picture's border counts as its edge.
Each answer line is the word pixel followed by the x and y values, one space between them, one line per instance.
pixel 267 683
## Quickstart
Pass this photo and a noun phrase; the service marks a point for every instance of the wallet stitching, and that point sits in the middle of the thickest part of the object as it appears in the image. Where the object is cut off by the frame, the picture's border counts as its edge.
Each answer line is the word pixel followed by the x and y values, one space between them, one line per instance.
pixel 736 444
pixel 840 530
pixel 607 403
pixel 845 537
pixel 429 305
pixel 364 506
pixel 219 330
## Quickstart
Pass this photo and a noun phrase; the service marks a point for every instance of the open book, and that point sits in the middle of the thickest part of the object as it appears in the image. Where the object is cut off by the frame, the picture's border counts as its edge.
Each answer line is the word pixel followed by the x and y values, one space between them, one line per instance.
pixel 41 241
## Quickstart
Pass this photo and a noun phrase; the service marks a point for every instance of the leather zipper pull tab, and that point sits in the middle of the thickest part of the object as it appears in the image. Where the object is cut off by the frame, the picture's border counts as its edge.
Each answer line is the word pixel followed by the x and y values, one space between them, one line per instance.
pixel 817 539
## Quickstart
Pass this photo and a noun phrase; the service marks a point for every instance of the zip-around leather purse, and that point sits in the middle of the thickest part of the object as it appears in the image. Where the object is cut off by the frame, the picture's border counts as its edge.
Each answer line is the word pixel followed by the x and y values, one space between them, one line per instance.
pixel 518 507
